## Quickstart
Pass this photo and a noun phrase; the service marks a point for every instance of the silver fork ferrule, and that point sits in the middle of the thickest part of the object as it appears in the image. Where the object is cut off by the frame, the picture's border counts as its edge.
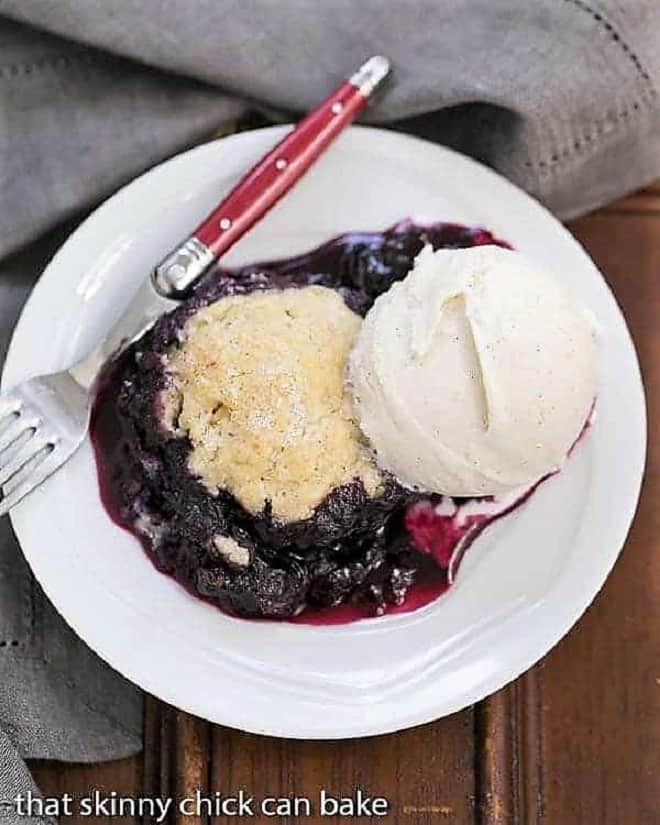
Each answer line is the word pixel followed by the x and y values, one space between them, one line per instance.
pixel 176 273
pixel 371 74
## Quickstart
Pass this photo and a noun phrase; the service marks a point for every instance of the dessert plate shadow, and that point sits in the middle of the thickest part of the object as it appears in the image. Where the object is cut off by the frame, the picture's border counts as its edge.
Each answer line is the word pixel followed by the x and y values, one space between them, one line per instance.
pixel 523 583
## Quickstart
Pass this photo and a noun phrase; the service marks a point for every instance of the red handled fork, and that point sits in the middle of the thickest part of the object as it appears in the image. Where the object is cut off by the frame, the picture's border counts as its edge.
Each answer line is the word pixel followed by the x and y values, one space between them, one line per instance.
pixel 45 419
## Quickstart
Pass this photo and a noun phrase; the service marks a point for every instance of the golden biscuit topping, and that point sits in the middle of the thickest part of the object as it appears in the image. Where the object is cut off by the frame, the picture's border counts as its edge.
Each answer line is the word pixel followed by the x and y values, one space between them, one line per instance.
pixel 259 382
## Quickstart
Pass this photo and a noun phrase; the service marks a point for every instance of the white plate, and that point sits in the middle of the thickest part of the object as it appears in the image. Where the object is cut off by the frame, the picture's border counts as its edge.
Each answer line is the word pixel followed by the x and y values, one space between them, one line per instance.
pixel 524 582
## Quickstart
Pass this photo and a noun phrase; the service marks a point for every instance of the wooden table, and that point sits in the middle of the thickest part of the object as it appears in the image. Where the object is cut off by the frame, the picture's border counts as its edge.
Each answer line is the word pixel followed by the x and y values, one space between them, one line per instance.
pixel 574 740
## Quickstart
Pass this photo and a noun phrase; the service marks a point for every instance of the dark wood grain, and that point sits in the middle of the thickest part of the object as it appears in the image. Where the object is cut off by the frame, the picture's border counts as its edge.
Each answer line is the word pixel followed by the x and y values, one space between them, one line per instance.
pixel 600 710
pixel 509 778
pixel 575 741
pixel 426 773
pixel 176 757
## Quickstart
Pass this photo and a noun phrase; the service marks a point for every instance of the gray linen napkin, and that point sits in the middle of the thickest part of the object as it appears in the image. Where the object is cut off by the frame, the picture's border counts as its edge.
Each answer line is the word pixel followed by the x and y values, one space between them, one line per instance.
pixel 14 781
pixel 559 95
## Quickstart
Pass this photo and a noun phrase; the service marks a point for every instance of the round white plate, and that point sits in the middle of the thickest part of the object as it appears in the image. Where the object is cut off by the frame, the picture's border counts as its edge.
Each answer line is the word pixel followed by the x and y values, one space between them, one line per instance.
pixel 524 582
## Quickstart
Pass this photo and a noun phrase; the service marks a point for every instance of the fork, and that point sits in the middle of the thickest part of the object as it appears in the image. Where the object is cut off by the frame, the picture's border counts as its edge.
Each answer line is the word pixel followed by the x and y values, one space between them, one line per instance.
pixel 45 419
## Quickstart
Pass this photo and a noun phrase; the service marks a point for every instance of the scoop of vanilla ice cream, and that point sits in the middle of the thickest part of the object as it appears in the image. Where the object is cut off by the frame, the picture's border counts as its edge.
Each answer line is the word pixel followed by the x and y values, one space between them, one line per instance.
pixel 475 374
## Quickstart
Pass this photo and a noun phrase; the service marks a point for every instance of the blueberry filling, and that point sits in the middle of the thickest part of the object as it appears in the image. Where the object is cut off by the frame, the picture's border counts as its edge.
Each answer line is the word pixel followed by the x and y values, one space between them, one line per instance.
pixel 359 553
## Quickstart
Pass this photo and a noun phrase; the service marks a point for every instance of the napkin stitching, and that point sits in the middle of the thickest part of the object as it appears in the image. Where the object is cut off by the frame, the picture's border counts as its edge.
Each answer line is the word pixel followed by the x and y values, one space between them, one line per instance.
pixel 599 130
pixel 613 34
pixel 600 127
pixel 79 689
pixel 54 672
pixel 58 61
pixel 113 721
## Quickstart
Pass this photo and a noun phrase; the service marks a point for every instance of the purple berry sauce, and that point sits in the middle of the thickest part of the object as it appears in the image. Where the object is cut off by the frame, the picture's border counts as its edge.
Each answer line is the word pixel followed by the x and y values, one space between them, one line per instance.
pixel 355 557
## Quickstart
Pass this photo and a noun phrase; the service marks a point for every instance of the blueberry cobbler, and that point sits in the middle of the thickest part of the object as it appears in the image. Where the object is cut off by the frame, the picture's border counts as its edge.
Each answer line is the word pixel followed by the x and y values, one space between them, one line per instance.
pixel 318 439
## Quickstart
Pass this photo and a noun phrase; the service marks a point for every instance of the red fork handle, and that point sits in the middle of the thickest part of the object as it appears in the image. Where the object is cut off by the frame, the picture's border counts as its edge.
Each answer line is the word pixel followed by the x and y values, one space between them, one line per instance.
pixel 277 172
pixel 267 182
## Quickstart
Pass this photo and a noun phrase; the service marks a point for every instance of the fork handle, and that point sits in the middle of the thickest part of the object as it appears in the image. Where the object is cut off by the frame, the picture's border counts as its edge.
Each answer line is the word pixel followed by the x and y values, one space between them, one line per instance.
pixel 267 182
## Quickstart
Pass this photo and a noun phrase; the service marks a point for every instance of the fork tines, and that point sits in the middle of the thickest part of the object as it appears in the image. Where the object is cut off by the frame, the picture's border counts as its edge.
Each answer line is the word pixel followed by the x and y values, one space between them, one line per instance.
pixel 23 451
